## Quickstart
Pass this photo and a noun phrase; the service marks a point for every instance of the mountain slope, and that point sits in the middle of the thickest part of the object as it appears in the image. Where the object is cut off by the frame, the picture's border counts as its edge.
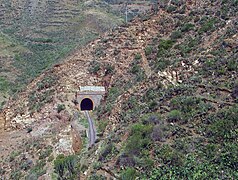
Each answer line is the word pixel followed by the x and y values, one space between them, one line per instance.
pixel 171 106
pixel 48 30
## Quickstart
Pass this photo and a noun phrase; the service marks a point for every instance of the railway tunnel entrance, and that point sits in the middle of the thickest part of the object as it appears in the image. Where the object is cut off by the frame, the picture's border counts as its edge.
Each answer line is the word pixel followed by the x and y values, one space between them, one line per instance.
pixel 86 104
pixel 89 97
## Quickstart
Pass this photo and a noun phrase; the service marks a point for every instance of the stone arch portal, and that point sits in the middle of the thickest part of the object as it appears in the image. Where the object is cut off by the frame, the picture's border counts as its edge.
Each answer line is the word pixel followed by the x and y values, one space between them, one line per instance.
pixel 86 104
pixel 89 97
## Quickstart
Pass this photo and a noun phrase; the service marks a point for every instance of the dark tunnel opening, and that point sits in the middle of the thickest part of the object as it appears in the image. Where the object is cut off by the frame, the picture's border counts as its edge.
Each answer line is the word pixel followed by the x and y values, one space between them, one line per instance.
pixel 86 104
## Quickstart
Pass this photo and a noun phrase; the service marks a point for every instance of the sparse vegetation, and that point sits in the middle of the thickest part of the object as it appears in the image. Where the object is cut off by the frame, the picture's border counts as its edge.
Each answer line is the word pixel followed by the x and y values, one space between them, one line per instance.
pixel 38 170
pixel 94 67
pixel 148 50
pixel 46 153
pixel 174 116
pixel 107 152
pixel 176 35
pixel 137 147
pixel 38 99
pixel 165 45
pixel 136 69
pixel 43 94
pixel 4 85
pixel 128 174
pixel 187 27
pixel 65 167
pixel 207 25
pixel 102 125
pixel 178 122
pixel 60 107
pixel 109 69
pixel 48 40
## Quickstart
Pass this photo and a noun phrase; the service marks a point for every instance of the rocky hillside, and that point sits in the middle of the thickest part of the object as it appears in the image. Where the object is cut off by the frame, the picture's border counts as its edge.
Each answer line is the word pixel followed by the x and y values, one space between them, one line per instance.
pixel 170 111
pixel 35 34
pixel 131 8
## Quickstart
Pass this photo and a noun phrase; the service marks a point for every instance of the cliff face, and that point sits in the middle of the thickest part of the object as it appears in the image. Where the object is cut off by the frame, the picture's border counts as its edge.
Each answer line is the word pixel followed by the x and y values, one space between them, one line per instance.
pixel 171 106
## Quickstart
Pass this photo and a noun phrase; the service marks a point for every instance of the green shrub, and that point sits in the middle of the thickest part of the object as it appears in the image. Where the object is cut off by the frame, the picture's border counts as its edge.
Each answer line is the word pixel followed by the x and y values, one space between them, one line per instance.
pixel 4 84
pixel 38 170
pixel 148 50
pixel 140 76
pixel 165 44
pixel 126 160
pixel 114 92
pixel 109 69
pixel 26 165
pixel 94 67
pixel 2 171
pixel 140 139
pixel 59 165
pixel 186 144
pixel 99 52
pixel 151 118
pixel 171 8
pixel 187 46
pixel 60 107
pixel 107 151
pixel 50 158
pixel 46 153
pixel 207 25
pixel 191 169
pixel 132 108
pixel 97 177
pixel 223 125
pixel 232 65
pixel 43 40
pixel 229 155
pixel 36 100
pixel 16 174
pixel 146 163
pixel 234 93
pixel 169 156
pixel 138 57
pixel 41 47
pixel 128 174
pixel 189 106
pixel 153 105
pixel 97 165
pixel 102 125
pixel 150 94
pixel 185 104
pixel 65 166
pixel 47 82
pixel 13 155
pixel 158 134
pixel 187 27
pixel 174 116
pixel 135 69
pixel 131 103
pixel 161 64
pixel 176 35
